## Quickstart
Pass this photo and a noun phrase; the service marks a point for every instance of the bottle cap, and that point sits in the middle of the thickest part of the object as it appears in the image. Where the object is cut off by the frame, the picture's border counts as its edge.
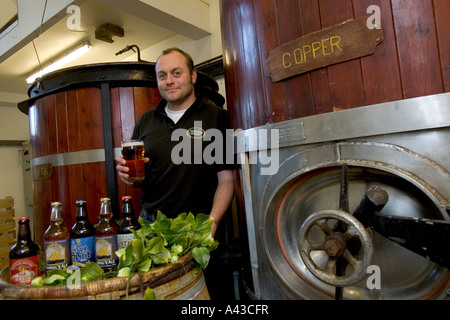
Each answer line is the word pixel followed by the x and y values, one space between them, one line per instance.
pixel 24 218
pixel 126 197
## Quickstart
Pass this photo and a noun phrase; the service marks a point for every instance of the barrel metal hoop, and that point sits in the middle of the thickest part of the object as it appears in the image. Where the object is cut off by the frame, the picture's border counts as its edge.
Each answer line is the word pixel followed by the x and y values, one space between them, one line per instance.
pixel 70 158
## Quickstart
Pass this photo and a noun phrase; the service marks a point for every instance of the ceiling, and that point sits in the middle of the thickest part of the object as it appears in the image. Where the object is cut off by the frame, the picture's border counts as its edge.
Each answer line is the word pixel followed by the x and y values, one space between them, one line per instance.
pixel 143 24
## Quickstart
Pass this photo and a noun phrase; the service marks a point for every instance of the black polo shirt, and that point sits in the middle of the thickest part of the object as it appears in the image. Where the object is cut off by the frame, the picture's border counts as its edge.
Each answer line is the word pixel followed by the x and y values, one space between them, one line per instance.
pixel 189 186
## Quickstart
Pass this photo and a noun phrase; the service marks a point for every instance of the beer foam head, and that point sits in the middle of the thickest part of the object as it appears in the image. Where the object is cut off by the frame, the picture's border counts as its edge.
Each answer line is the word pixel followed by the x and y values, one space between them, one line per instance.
pixel 132 143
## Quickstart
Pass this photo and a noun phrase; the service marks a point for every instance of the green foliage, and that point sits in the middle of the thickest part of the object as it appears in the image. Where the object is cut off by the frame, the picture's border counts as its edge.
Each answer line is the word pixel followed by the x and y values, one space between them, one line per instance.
pixel 165 240
pixel 149 294
pixel 91 272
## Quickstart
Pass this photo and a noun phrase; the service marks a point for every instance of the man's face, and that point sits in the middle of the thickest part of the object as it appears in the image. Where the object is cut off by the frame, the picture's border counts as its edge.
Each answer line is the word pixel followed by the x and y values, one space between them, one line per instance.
pixel 175 82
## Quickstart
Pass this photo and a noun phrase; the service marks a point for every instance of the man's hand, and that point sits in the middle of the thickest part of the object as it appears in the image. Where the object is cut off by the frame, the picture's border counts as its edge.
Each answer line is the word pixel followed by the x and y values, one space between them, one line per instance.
pixel 213 227
pixel 122 171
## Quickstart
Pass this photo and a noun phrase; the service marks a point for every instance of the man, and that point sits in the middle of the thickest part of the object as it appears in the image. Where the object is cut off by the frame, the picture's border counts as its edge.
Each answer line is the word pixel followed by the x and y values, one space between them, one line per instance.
pixel 186 187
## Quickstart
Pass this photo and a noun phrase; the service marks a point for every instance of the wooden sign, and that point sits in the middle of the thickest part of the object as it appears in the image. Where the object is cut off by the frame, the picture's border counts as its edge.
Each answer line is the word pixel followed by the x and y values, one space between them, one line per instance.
pixel 342 42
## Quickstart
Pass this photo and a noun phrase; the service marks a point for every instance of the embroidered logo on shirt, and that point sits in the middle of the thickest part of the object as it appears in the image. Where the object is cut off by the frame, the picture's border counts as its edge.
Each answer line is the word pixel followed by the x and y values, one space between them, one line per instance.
pixel 195 133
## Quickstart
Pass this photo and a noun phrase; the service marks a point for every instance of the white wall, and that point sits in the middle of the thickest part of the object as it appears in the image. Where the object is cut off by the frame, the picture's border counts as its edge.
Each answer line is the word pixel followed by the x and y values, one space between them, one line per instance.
pixel 13 126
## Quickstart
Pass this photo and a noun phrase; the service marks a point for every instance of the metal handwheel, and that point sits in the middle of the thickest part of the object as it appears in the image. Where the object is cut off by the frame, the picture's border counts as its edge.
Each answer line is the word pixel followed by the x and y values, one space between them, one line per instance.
pixel 339 245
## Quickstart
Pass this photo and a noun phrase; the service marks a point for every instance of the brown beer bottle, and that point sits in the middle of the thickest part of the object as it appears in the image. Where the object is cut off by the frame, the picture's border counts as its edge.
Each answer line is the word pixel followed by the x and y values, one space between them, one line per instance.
pixel 24 256
pixel 56 240
pixel 106 237
pixel 128 223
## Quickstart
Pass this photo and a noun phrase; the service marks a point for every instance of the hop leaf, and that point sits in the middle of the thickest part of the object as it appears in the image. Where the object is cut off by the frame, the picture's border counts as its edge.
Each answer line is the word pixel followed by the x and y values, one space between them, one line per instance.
pixel 145 265
pixel 124 272
pixel 201 255
pixel 37 282
pixel 91 272
pixel 149 294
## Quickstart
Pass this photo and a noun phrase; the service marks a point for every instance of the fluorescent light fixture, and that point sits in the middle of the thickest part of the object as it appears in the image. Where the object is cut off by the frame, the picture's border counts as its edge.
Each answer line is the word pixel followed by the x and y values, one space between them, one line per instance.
pixel 72 55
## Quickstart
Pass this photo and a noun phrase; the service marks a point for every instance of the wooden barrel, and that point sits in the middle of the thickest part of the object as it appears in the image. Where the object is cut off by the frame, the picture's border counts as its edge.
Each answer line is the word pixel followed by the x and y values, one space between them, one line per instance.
pixel 179 281
pixel 78 118
pixel 413 60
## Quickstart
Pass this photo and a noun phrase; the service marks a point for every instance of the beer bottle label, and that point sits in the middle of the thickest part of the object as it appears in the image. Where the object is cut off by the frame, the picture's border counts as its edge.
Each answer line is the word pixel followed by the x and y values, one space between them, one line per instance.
pixel 23 270
pixel 83 250
pixel 57 254
pixel 105 251
pixel 123 240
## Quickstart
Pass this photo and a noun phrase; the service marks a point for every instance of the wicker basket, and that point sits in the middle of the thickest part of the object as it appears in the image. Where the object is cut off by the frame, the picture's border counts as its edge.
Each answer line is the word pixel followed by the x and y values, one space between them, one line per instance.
pixel 177 281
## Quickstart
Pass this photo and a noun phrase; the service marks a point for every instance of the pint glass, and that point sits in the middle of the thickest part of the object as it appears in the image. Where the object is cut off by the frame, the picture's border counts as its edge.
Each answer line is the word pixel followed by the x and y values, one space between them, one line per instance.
pixel 133 152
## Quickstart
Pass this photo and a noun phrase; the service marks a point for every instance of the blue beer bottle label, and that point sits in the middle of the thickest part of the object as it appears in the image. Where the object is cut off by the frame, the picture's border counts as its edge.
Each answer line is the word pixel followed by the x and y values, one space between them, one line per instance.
pixel 83 250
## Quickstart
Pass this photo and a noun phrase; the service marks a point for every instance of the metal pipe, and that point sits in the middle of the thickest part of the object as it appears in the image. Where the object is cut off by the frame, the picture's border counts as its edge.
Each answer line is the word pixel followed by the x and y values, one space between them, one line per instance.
pixel 236 285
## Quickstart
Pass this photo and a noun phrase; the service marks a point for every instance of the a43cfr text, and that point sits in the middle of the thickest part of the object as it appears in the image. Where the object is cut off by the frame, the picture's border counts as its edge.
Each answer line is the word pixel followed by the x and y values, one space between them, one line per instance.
pixel 239 309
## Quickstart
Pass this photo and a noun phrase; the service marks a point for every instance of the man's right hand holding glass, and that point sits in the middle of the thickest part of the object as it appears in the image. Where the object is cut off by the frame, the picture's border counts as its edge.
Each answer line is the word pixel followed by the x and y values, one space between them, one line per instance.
pixel 122 171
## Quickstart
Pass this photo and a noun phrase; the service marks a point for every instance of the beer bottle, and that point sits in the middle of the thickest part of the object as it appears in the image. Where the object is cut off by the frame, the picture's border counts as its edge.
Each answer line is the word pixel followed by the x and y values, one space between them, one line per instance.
pixel 24 256
pixel 128 223
pixel 56 240
pixel 82 237
pixel 106 237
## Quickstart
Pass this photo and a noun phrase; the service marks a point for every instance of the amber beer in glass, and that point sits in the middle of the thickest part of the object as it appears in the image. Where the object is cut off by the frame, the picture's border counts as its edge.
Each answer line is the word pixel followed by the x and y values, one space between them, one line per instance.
pixel 133 152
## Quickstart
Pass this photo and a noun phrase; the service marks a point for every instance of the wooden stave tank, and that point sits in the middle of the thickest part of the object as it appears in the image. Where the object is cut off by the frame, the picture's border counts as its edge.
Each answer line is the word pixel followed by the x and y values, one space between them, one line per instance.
pixel 118 94
pixel 412 61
